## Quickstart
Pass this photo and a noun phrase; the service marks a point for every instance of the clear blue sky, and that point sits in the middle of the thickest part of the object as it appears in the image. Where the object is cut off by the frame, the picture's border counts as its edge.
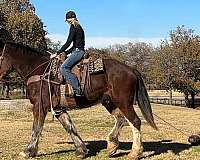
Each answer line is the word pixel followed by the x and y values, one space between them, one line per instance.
pixel 120 20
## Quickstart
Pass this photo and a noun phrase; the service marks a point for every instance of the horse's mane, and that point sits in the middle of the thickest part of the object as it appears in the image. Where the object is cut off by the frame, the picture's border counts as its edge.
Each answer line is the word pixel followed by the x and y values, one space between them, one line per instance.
pixel 1 44
pixel 26 49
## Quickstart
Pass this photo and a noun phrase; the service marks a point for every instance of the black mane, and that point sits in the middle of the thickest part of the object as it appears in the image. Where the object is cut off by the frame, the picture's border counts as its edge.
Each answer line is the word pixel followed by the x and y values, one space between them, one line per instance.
pixel 26 49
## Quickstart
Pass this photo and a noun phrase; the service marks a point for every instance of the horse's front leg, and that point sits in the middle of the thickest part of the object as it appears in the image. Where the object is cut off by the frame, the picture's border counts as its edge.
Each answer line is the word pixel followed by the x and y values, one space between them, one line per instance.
pixel 39 114
pixel 65 120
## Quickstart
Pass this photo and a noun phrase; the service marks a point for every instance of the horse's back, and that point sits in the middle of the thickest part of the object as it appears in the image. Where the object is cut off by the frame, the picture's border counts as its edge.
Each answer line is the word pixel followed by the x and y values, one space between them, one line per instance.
pixel 115 67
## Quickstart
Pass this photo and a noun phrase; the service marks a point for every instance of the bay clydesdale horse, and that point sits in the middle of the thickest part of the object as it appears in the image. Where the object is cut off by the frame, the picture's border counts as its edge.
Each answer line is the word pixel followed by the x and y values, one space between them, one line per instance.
pixel 117 87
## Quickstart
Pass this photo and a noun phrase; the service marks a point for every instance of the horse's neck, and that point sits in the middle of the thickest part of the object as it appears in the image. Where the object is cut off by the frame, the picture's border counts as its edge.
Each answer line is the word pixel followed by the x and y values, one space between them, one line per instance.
pixel 29 67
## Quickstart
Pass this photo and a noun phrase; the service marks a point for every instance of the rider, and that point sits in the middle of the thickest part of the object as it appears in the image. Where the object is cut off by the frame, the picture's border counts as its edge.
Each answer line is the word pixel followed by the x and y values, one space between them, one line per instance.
pixel 77 36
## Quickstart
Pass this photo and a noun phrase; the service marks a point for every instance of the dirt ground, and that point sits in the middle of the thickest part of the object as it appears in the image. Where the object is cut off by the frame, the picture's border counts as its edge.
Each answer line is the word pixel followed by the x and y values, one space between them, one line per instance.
pixel 93 125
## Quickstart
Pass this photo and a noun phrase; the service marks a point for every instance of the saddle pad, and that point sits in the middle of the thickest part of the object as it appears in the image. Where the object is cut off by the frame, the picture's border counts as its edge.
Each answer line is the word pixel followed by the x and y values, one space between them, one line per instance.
pixel 96 66
pixel 54 68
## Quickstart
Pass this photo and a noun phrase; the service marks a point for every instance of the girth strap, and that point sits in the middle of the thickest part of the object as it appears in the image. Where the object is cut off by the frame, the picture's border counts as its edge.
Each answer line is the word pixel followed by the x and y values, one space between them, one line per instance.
pixel 37 78
pixel 84 76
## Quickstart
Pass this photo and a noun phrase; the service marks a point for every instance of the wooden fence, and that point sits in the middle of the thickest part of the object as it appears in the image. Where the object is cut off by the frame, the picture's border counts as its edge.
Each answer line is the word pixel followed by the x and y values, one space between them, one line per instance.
pixel 174 101
pixel 167 101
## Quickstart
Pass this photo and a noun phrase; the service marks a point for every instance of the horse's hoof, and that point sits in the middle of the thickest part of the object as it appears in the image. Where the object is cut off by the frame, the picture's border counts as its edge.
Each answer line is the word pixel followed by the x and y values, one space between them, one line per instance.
pixel 134 155
pixel 27 154
pixel 24 155
pixel 112 148
pixel 81 154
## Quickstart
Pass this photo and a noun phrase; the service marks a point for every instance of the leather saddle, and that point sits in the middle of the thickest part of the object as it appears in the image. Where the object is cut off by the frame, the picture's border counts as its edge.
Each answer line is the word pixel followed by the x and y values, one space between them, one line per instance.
pixel 83 71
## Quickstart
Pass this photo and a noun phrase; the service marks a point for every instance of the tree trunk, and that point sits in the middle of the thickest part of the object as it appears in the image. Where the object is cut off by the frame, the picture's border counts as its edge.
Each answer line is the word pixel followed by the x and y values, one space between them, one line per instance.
pixel 7 90
pixel 187 102
pixel 193 100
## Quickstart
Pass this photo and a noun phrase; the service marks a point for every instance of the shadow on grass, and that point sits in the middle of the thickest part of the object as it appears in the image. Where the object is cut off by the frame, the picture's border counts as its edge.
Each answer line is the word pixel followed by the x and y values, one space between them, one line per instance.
pixel 54 153
pixel 156 147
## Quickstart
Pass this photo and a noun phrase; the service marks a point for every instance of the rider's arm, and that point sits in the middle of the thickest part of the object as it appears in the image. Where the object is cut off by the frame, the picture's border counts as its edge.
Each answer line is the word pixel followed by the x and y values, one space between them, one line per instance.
pixel 65 53
pixel 69 39
pixel 69 51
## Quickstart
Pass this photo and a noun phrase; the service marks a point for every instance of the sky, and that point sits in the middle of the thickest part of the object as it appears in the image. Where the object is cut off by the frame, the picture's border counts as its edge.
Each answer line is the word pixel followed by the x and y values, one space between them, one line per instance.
pixel 108 22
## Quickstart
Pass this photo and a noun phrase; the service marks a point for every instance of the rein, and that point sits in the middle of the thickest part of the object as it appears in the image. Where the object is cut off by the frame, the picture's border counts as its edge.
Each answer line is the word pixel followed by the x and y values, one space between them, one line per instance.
pixel 177 129
pixel 41 79
pixel 36 69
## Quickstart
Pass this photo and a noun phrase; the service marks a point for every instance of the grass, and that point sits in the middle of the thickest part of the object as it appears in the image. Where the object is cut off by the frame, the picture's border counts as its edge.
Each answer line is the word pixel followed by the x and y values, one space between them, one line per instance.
pixel 93 125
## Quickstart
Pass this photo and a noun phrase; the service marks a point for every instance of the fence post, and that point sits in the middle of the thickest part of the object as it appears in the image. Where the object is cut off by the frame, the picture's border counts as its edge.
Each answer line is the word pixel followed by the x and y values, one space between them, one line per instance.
pixel 170 95
pixel 1 91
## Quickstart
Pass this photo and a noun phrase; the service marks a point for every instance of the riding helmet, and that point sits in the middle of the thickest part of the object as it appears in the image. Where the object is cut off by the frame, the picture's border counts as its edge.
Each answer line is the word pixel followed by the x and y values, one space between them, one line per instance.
pixel 70 14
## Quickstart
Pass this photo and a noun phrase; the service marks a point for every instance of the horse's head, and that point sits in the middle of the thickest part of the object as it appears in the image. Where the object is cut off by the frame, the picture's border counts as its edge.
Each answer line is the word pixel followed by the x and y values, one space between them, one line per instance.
pixel 23 59
pixel 5 65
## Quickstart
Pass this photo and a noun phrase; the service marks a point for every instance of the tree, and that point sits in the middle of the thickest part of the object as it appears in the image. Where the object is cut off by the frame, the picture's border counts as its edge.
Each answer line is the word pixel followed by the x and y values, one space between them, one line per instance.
pixel 136 55
pixel 20 21
pixel 97 53
pixel 178 62
pixel 117 51
pixel 53 46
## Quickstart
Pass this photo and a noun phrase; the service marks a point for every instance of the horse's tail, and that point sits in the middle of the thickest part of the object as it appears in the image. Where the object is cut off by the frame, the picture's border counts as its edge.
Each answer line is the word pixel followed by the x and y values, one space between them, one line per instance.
pixel 143 102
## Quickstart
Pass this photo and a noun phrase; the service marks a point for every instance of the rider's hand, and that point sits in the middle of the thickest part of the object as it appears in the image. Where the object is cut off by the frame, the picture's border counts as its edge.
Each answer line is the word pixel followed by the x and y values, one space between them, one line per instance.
pixel 53 55
pixel 61 56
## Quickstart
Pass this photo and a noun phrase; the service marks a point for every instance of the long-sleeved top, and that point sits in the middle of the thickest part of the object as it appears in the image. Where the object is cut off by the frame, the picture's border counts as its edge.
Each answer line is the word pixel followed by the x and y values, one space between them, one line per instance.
pixel 77 36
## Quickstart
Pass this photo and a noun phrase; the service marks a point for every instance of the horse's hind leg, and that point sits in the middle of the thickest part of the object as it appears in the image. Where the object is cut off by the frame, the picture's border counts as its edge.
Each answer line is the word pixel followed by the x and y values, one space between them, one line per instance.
pixel 38 122
pixel 135 124
pixel 65 120
pixel 113 141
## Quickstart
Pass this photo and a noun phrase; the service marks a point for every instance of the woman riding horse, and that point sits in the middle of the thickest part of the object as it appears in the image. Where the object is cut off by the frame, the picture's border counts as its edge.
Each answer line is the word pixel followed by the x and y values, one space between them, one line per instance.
pixel 117 88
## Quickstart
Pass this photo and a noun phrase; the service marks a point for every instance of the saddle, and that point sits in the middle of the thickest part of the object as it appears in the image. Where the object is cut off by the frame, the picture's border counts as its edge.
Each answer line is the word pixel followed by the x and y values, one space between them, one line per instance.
pixel 83 71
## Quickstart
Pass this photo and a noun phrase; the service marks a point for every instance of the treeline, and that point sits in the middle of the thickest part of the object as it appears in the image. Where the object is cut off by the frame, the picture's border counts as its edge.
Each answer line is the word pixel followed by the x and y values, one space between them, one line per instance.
pixel 175 64
pixel 18 22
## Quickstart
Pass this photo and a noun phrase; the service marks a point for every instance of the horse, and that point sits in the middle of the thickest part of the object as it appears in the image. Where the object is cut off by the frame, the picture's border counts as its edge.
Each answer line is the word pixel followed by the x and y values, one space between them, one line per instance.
pixel 116 88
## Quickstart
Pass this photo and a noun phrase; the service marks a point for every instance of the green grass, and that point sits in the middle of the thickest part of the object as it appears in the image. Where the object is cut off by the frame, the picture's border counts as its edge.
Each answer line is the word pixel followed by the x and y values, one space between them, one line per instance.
pixel 93 125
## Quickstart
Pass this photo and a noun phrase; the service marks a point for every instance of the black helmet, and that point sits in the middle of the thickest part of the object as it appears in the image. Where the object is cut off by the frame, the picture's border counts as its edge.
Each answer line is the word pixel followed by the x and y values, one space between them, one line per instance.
pixel 70 14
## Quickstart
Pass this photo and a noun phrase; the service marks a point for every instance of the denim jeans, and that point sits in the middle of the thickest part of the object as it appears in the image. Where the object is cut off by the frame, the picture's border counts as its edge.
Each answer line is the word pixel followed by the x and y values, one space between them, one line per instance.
pixel 66 67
